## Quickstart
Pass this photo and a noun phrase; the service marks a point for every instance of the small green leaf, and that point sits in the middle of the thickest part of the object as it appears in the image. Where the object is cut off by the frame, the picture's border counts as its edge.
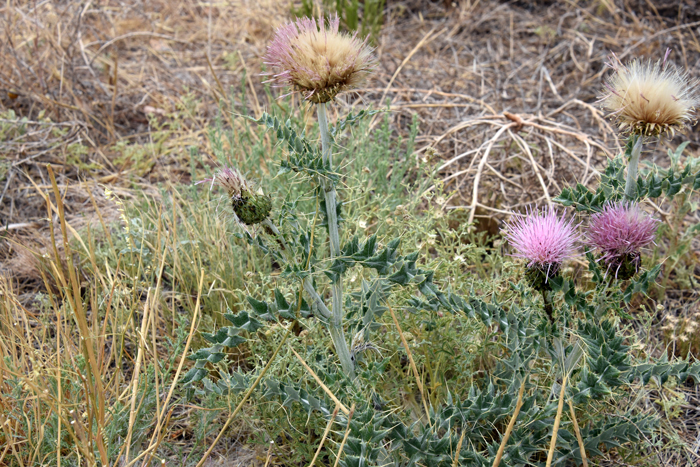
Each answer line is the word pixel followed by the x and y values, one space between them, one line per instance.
pixel 243 321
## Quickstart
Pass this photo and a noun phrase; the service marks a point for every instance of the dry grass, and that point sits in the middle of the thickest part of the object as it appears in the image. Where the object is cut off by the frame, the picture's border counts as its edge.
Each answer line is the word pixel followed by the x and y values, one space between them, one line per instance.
pixel 85 76
pixel 505 94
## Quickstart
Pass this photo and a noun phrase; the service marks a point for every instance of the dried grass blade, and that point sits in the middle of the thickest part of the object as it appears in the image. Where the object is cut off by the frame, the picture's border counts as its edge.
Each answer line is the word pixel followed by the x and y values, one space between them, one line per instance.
pixel 419 383
pixel 345 437
pixel 581 446
pixel 323 386
pixel 137 372
pixel 325 435
pixel 557 421
pixel 511 424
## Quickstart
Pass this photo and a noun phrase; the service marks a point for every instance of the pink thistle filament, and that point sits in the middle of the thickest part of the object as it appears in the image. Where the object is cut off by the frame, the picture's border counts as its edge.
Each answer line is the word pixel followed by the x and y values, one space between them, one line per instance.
pixel 543 239
pixel 619 232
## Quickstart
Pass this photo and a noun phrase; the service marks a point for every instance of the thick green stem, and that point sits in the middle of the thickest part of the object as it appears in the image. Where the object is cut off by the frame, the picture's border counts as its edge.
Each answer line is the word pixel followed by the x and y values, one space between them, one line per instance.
pixel 548 305
pixel 336 320
pixel 328 188
pixel 631 183
pixel 316 301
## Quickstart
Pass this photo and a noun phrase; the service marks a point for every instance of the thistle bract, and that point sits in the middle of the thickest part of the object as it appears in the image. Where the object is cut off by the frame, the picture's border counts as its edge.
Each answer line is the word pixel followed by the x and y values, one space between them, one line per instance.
pixel 650 98
pixel 545 241
pixel 318 60
pixel 619 232
pixel 251 207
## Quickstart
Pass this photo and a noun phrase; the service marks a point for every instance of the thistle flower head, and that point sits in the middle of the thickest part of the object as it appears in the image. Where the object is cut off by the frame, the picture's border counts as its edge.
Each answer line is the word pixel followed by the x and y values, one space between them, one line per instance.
pixel 544 239
pixel 650 98
pixel 619 232
pixel 251 207
pixel 318 60
pixel 231 180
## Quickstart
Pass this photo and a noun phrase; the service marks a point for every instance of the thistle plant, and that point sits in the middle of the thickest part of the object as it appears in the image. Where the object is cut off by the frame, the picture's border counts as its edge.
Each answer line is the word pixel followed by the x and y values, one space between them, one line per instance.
pixel 317 60
pixel 619 232
pixel 649 99
pixel 545 241
pixel 584 357
pixel 320 62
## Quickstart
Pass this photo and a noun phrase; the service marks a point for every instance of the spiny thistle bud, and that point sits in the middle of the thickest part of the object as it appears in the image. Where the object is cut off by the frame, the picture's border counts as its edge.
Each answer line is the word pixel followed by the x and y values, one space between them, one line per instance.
pixel 650 98
pixel 543 239
pixel 251 207
pixel 317 60
pixel 619 232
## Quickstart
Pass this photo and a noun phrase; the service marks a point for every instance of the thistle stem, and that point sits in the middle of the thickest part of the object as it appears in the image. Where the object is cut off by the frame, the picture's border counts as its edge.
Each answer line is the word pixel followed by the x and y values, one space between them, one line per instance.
pixel 548 306
pixel 316 301
pixel 631 183
pixel 336 320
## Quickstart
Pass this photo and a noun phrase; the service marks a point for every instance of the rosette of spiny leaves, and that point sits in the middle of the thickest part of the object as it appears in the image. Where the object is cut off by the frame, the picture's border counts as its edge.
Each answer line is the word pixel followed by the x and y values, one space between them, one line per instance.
pixel 483 411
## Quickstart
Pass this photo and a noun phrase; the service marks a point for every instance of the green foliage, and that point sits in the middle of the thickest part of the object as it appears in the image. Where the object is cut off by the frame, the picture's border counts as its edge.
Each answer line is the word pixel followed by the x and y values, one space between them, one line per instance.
pixel 302 157
pixel 365 17
pixel 471 393
pixel 654 183
pixel 11 126
pixel 474 329
pixel 641 284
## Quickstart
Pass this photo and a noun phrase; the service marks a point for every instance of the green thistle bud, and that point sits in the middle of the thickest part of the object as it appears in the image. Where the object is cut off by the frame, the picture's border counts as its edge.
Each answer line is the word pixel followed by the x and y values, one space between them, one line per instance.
pixel 628 266
pixel 250 207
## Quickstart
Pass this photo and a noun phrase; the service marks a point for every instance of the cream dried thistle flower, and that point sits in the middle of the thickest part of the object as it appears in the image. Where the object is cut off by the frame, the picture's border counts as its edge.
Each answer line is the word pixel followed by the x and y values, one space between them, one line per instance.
pixel 318 60
pixel 649 98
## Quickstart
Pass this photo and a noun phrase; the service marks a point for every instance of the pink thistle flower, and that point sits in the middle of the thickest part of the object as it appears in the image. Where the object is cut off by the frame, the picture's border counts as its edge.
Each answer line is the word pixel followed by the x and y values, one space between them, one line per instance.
pixel 317 60
pixel 619 232
pixel 543 239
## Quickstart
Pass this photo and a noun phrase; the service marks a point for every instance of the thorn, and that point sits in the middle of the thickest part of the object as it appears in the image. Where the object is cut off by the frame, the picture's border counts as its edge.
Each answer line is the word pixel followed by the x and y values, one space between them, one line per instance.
pixel 668 52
